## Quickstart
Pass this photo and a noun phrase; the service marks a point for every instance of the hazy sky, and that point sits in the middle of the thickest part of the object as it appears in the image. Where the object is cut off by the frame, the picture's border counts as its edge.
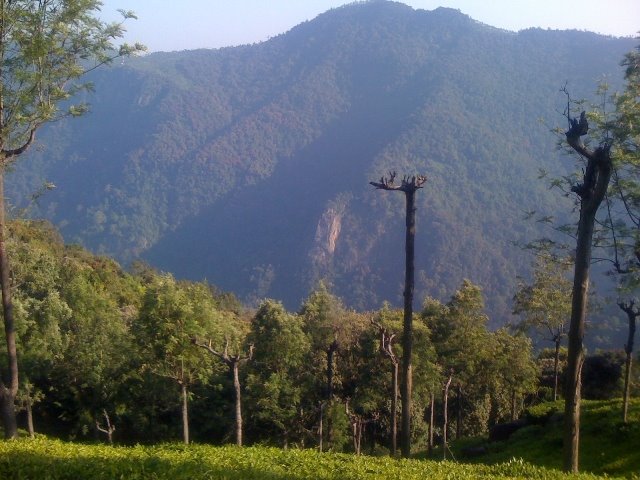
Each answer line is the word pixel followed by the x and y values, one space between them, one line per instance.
pixel 166 25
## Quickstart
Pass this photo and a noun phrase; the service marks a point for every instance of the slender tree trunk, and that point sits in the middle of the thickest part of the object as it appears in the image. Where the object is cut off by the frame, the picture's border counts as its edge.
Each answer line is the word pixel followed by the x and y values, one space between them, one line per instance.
pixel 575 354
pixel 320 427
pixel 407 334
pixel 445 416
pixel 238 399
pixel 591 193
pixel 459 413
pixel 394 411
pixel 632 314
pixel 409 187
pixel 627 386
pixel 330 355
pixel 513 404
pixel 556 368
pixel 330 363
pixel 9 390
pixel 432 404
pixel 185 413
pixel 30 429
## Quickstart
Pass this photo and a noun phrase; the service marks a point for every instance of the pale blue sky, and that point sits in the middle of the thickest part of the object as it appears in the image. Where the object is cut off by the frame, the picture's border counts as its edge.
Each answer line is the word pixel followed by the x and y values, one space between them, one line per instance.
pixel 166 25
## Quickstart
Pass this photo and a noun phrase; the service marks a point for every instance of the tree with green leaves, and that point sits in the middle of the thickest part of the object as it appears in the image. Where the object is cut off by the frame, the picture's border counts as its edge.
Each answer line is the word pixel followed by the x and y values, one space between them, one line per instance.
pixel 513 372
pixel 463 347
pixel 544 305
pixel 277 373
pixel 45 48
pixel 610 175
pixel 171 315
pixel 626 133
pixel 590 193
pixel 227 343
pixel 632 312
pixel 387 338
pixel 324 322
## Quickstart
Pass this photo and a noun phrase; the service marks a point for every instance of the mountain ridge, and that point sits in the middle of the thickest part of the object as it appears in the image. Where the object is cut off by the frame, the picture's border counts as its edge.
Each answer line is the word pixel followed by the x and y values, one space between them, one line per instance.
pixel 185 152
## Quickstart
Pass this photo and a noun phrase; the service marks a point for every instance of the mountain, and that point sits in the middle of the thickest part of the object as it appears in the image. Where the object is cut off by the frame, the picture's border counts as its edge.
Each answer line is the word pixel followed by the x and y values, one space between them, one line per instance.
pixel 249 166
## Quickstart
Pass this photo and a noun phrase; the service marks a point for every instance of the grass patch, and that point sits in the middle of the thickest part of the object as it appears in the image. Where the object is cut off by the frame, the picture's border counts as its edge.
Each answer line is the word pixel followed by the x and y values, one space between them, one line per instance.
pixel 607 446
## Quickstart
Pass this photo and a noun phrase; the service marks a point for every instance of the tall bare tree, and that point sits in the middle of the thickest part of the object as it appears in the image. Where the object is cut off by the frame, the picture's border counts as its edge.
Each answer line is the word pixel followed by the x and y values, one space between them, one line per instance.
pixel 233 362
pixel 409 186
pixel 590 192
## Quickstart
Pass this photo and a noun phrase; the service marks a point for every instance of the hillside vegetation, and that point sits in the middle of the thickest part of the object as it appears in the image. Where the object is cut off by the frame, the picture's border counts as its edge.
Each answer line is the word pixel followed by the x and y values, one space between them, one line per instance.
pixel 56 460
pixel 249 166
pixel 607 446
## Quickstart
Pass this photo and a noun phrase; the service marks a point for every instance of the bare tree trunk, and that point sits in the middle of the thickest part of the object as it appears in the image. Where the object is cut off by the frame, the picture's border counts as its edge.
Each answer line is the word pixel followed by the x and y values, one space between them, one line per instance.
pixel 320 427
pixel 409 186
pixel 513 404
pixel 386 347
pixel 359 424
pixel 407 334
pixel 238 399
pixel 591 193
pixel 330 362
pixel 556 368
pixel 394 411
pixel 330 365
pixel 109 428
pixel 632 314
pixel 459 413
pixel 185 413
pixel 445 416
pixel 432 404
pixel 30 429
pixel 233 364
pixel 9 390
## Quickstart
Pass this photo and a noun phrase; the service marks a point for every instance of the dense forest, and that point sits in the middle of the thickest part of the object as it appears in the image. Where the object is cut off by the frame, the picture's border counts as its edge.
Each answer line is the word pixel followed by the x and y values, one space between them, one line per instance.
pixel 249 166
pixel 100 346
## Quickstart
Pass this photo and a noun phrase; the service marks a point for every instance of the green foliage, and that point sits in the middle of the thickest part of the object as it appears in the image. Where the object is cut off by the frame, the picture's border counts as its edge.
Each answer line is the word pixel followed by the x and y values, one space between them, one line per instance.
pixel 277 374
pixel 333 104
pixel 607 446
pixel 55 460
pixel 491 372
pixel 45 48
pixel 544 305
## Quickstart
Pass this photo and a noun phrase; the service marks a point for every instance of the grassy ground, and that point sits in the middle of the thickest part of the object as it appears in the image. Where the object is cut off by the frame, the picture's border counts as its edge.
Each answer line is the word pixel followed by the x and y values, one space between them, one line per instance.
pixel 607 445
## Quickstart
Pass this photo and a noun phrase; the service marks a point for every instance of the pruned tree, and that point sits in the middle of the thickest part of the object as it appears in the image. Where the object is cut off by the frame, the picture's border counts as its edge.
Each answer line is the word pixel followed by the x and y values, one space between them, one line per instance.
pixel 108 428
pixel 409 186
pixel 591 192
pixel 45 48
pixel 233 361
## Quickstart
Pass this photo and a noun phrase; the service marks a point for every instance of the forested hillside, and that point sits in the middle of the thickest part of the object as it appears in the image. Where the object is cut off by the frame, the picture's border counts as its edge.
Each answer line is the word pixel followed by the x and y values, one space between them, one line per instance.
pixel 249 166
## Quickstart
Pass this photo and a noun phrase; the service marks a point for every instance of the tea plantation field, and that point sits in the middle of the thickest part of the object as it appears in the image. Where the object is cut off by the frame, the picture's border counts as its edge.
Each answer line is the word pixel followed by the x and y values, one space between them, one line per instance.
pixel 45 459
